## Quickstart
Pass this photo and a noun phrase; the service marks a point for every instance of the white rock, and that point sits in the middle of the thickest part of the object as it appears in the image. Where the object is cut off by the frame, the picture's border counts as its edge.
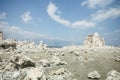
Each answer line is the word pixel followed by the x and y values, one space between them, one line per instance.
pixel 22 61
pixel 57 61
pixel 94 41
pixel 117 58
pixel 113 75
pixel 35 74
pixel 16 74
pixel 94 75
pixel 45 63
pixel 61 74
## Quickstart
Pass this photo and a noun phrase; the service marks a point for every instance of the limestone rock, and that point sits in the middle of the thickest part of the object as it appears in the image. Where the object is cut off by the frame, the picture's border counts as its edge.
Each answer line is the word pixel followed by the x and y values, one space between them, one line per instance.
pixel 113 75
pixel 44 63
pixel 22 61
pixel 1 36
pixel 8 43
pixel 94 41
pixel 61 74
pixel 35 74
pixel 57 61
pixel 117 59
pixel 10 75
pixel 94 75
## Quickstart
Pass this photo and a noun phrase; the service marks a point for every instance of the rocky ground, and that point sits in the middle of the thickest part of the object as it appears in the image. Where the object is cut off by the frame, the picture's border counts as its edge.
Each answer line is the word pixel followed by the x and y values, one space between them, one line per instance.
pixel 60 63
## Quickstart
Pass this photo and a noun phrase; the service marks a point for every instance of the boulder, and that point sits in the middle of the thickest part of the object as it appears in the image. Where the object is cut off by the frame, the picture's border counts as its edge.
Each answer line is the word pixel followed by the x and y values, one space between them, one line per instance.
pixel 22 61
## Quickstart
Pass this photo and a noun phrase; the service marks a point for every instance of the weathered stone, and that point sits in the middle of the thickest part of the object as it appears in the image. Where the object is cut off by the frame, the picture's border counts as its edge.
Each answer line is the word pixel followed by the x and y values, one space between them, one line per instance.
pixel 10 66
pixel 8 43
pixel 16 74
pixel 44 63
pixel 117 59
pixel 22 61
pixel 57 61
pixel 94 75
pixel 94 41
pixel 113 75
pixel 1 36
pixel 61 74
pixel 10 75
pixel 35 74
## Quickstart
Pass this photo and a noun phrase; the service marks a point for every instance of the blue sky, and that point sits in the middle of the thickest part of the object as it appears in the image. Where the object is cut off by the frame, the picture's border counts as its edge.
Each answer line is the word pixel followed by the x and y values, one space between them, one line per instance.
pixel 60 20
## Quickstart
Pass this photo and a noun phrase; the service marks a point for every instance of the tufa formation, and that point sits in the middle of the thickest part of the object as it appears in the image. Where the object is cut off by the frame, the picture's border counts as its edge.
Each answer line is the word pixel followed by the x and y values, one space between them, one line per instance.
pixel 94 41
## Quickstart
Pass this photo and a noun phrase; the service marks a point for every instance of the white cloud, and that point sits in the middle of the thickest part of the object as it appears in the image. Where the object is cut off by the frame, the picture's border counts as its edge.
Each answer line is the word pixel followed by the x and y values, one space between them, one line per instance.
pixel 96 3
pixel 17 33
pixel 87 24
pixel 3 15
pixel 108 14
pixel 52 9
pixel 26 17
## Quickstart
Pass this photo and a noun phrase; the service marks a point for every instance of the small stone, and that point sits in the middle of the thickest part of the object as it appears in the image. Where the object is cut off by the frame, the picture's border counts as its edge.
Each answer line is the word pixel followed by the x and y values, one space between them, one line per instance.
pixel 113 75
pixel 16 74
pixel 117 59
pixel 94 75
pixel 61 74
pixel 45 63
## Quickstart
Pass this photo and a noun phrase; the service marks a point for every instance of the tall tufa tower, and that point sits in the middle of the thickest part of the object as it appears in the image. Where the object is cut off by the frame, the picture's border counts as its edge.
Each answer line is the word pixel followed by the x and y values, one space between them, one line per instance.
pixel 94 41
pixel 1 36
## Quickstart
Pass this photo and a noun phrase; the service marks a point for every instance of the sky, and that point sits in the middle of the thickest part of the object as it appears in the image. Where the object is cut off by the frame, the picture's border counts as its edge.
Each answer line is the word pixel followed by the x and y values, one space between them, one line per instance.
pixel 60 22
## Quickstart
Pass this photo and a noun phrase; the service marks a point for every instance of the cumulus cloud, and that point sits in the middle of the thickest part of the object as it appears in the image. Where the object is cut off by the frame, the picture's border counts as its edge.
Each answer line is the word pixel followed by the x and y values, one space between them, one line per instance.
pixel 17 32
pixel 52 9
pixel 108 14
pixel 3 15
pixel 26 17
pixel 96 3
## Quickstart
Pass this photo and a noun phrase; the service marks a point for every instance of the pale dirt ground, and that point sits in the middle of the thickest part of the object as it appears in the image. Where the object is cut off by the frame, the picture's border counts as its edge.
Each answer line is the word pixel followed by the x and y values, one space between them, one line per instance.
pixel 104 61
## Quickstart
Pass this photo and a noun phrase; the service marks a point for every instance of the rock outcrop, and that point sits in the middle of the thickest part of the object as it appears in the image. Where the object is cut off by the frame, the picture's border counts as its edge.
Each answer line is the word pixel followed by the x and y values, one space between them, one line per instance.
pixel 94 41
pixel 22 61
